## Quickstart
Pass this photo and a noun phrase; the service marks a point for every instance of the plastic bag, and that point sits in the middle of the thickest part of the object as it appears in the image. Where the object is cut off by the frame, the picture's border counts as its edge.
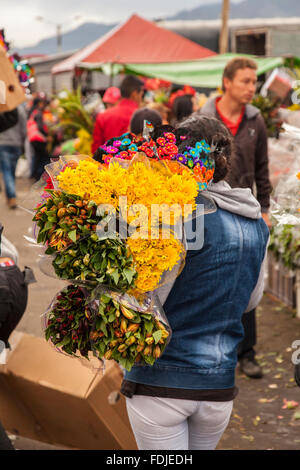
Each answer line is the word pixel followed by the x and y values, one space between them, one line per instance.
pixel 109 269
pixel 285 200
pixel 103 324
pixel 73 231
pixel 67 324
pixel 283 153
pixel 132 330
pixel 285 209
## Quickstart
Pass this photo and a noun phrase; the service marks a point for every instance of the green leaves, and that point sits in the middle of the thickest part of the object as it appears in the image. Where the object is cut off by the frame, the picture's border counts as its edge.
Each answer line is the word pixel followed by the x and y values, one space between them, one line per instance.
pixel 94 260
pixel 115 276
pixel 48 333
pixel 157 336
pixel 126 363
pixel 285 244
pixel 72 235
pixel 66 340
pixel 129 274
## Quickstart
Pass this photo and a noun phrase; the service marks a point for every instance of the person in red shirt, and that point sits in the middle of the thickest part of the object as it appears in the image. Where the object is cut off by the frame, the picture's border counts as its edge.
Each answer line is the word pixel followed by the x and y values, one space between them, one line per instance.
pixel 115 121
pixel 111 97
pixel 233 126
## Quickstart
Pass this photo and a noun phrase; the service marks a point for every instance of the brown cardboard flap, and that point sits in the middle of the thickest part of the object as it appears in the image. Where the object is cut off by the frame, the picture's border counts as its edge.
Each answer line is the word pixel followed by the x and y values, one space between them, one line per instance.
pixel 47 396
pixel 11 92
pixel 41 363
pixel 110 405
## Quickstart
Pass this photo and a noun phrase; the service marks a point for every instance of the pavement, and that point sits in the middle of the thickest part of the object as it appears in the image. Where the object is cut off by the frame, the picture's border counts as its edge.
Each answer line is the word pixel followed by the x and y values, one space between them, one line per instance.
pixel 266 413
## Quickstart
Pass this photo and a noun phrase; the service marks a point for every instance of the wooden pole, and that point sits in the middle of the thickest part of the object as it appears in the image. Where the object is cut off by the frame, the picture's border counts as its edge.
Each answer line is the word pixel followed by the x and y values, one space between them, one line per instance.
pixel 223 43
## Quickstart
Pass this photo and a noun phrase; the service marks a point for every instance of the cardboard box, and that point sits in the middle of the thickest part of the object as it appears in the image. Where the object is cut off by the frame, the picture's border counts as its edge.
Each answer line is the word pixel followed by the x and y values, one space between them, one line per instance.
pixel 53 398
pixel 11 92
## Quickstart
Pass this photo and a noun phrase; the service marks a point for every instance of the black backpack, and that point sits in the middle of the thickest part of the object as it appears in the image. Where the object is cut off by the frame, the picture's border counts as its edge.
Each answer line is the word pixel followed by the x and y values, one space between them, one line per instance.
pixel 8 119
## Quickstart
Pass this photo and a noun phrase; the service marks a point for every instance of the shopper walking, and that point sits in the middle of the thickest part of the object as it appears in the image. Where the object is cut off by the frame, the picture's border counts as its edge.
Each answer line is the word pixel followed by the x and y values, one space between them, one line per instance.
pixel 184 401
pixel 12 141
pixel 38 137
pixel 249 167
pixel 115 121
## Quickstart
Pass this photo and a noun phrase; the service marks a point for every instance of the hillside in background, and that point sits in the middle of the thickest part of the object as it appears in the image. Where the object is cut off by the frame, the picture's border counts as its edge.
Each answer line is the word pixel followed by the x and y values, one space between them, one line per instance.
pixel 89 32
pixel 72 40
pixel 244 9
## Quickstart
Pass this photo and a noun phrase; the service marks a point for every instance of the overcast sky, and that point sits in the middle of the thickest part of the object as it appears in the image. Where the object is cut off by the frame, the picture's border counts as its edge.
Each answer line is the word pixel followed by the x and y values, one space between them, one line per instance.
pixel 17 17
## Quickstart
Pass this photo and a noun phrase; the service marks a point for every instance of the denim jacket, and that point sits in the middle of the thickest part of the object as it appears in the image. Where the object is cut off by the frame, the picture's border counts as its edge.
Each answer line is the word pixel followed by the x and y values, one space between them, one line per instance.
pixel 205 306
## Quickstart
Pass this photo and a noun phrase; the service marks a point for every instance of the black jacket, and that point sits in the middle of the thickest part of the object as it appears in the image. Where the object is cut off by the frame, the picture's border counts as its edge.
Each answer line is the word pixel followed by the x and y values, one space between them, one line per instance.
pixel 8 119
pixel 249 165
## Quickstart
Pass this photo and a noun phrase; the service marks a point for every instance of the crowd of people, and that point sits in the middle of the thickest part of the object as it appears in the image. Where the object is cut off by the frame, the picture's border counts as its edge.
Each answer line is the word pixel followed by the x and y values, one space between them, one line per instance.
pixel 184 401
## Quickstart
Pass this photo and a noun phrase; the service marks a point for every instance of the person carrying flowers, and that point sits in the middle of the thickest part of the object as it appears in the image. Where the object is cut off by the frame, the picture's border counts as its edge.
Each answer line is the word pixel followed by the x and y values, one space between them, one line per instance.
pixel 184 400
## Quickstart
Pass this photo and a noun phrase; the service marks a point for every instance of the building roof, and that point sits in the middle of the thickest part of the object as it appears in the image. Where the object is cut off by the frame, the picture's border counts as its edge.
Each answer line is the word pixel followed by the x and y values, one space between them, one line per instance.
pixel 235 23
pixel 135 41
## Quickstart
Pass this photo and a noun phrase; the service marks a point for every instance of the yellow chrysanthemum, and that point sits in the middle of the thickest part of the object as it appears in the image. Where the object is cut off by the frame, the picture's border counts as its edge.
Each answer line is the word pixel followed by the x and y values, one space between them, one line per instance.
pixel 140 183
pixel 145 185
pixel 152 258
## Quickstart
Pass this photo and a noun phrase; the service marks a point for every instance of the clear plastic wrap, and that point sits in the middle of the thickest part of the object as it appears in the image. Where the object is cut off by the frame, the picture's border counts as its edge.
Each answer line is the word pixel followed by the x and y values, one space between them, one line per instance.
pixel 130 329
pixel 67 324
pixel 285 199
pixel 283 153
pixel 106 324
pixel 285 209
pixel 35 197
pixel 55 168
pixel 119 316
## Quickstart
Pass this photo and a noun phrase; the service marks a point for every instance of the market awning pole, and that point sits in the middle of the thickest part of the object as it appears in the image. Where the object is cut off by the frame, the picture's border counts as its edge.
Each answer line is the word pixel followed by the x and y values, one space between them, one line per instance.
pixel 223 43
pixel 111 77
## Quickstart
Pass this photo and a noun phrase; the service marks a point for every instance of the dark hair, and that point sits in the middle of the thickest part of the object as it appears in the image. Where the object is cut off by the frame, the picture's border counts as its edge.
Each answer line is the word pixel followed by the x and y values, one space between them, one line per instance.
pixel 196 128
pixel 236 64
pixel 141 115
pixel 35 104
pixel 130 84
pixel 182 107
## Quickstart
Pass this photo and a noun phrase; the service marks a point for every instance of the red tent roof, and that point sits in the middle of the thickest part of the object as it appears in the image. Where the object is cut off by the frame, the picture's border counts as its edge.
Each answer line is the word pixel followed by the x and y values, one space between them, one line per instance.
pixel 136 41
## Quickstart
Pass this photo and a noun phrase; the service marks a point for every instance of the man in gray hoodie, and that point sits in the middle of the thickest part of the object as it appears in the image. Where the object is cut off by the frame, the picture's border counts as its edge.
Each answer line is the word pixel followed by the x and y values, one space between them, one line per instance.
pixel 12 143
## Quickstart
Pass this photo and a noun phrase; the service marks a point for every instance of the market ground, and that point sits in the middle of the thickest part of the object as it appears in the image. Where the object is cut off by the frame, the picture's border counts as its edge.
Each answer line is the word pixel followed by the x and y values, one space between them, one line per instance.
pixel 264 414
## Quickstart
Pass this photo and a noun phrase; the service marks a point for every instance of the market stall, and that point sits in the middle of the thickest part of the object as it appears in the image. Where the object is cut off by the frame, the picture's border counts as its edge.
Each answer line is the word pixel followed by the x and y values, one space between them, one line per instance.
pixel 284 260
pixel 203 73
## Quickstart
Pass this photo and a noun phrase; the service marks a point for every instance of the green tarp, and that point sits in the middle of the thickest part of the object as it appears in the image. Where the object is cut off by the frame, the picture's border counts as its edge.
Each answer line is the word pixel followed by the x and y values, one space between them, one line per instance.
pixel 204 73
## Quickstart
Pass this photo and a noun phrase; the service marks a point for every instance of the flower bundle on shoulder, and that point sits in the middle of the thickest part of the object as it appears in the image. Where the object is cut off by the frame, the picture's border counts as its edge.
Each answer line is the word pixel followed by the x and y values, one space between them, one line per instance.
pixel 67 223
pixel 142 185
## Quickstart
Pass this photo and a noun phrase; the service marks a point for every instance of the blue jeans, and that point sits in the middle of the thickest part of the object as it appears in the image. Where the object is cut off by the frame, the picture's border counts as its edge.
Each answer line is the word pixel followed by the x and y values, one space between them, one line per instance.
pixel 9 156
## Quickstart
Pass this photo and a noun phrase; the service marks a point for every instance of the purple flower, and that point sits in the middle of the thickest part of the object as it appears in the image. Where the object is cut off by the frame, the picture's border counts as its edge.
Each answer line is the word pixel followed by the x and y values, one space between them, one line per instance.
pixel 181 158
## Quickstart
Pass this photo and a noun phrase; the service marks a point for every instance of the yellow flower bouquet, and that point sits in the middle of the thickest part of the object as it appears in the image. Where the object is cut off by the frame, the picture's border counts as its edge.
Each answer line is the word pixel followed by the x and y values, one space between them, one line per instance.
pixel 86 209
pixel 145 188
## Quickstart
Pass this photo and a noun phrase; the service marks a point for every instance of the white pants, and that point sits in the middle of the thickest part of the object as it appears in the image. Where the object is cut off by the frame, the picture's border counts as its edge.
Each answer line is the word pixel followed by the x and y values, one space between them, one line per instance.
pixel 175 424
